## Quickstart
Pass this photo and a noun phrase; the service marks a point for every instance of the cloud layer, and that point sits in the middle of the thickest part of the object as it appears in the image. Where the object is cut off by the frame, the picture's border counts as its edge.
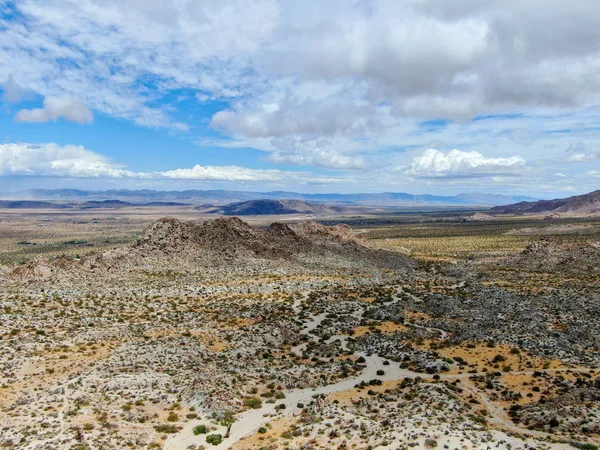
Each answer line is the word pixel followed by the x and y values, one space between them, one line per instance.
pixel 55 160
pixel 351 86
pixel 12 92
pixel 74 161
pixel 63 106
pixel 424 58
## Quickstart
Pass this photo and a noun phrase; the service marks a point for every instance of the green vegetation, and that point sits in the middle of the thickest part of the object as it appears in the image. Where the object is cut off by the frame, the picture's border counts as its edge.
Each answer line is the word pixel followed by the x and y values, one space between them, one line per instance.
pixel 253 402
pixel 200 429
pixel 214 439
pixel 167 428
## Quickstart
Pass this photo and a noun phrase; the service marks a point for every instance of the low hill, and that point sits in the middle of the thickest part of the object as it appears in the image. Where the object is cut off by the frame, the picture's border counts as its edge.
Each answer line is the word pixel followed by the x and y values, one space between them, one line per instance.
pixel 229 239
pixel 31 204
pixel 578 204
pixel 94 204
pixel 166 204
pixel 219 247
pixel 266 207
pixel 551 255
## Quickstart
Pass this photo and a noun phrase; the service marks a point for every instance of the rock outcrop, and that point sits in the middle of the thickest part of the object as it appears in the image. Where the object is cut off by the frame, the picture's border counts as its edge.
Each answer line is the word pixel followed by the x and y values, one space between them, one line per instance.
pixel 551 255
pixel 223 242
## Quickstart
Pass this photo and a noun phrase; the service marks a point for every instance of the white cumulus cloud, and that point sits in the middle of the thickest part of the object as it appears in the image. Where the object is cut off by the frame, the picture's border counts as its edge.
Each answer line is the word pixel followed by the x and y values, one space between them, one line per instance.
pixel 55 160
pixel 329 159
pixel 226 173
pixel 456 163
pixel 55 107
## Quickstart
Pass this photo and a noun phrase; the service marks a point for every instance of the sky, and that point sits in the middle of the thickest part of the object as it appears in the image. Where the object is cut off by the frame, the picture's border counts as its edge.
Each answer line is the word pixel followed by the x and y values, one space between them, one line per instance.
pixel 418 96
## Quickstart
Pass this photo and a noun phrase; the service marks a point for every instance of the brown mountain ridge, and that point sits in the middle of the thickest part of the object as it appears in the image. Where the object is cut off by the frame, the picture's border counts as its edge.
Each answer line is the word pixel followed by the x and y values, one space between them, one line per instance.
pixel 577 204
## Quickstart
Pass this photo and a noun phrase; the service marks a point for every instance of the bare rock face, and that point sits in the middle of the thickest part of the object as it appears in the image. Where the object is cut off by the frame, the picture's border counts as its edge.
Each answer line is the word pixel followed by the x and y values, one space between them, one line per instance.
pixel 38 269
pixel 64 262
pixel 43 269
pixel 166 233
pixel 279 229
pixel 342 232
pixel 169 235
pixel 228 234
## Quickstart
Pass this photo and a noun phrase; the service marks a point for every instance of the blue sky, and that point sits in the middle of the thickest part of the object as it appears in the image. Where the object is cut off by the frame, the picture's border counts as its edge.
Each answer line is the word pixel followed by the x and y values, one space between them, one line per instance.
pixel 422 96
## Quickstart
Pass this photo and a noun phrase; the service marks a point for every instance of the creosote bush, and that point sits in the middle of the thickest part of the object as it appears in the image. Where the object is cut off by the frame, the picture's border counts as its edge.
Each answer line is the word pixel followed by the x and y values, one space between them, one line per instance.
pixel 200 429
pixel 214 439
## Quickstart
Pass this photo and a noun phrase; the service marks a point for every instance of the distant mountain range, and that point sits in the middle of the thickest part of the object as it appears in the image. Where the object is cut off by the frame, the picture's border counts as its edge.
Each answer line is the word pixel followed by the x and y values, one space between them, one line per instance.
pixel 578 204
pixel 222 197
pixel 93 204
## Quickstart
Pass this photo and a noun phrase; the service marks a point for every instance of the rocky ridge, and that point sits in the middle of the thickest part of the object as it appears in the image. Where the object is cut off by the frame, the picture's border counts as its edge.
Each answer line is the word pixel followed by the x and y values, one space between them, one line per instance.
pixel 223 243
pixel 578 204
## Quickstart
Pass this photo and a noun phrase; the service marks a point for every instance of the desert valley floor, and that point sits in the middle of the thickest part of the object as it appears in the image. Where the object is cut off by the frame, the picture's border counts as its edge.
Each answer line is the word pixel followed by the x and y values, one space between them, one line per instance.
pixel 441 331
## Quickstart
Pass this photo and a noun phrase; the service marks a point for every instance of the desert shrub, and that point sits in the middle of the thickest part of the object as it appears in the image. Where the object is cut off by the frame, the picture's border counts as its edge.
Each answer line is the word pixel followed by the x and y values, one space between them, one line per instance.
pixel 478 419
pixel 253 402
pixel 498 358
pixel 430 443
pixel 214 439
pixel 166 428
pixel 200 429
pixel 584 445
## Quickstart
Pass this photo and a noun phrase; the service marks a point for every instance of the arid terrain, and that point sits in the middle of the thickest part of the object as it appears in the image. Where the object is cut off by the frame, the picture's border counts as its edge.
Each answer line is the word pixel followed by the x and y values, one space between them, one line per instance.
pixel 126 328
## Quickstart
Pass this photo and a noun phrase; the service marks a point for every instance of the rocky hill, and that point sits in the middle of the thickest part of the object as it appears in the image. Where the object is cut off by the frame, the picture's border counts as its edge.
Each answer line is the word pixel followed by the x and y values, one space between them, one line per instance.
pixel 551 255
pixel 232 238
pixel 224 244
pixel 578 204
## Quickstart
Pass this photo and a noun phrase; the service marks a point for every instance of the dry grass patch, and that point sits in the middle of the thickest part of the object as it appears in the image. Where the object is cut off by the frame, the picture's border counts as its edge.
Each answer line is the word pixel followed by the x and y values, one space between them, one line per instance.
pixel 262 440
pixel 384 327
pixel 501 358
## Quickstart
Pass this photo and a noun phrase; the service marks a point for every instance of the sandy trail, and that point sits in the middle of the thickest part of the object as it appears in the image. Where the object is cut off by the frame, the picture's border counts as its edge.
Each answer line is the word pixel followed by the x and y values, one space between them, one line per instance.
pixel 249 421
